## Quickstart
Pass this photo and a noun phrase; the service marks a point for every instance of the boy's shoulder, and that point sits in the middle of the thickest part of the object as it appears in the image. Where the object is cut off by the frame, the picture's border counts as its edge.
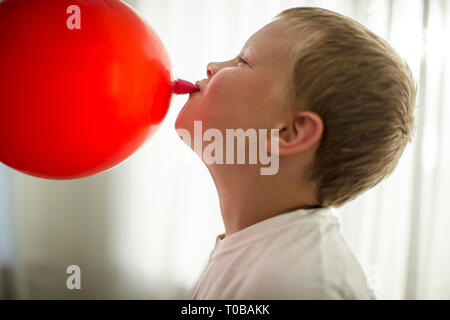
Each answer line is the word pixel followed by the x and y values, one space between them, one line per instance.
pixel 306 259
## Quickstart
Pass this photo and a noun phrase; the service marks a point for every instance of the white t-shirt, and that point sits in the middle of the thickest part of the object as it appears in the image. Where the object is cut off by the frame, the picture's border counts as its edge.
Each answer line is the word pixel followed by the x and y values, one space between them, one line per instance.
pixel 295 255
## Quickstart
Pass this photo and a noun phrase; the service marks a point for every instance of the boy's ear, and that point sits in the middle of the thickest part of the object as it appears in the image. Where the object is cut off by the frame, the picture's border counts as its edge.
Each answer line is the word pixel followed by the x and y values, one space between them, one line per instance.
pixel 300 133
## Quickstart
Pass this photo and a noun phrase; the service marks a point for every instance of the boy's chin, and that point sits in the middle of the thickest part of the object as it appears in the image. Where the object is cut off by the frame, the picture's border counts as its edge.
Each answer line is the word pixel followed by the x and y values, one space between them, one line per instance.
pixel 184 118
pixel 183 128
pixel 183 124
pixel 181 121
pixel 178 124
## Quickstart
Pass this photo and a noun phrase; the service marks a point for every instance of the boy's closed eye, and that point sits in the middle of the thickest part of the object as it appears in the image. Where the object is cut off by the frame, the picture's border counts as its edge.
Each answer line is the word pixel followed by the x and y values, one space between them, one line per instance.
pixel 242 60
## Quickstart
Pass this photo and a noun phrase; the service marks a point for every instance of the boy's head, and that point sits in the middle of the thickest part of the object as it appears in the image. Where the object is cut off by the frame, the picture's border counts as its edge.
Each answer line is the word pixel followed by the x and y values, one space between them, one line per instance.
pixel 339 95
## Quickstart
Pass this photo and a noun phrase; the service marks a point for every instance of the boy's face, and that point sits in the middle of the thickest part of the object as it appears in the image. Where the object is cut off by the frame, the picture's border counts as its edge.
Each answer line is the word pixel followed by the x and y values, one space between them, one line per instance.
pixel 240 95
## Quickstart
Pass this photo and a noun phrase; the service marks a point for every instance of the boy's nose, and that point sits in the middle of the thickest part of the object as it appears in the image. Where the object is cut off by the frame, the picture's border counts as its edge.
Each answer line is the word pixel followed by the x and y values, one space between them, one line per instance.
pixel 211 69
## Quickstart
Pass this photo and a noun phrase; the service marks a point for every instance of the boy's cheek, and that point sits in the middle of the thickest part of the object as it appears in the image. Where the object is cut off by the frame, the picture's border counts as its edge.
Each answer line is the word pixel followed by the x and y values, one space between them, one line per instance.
pixel 232 100
pixel 225 84
pixel 213 114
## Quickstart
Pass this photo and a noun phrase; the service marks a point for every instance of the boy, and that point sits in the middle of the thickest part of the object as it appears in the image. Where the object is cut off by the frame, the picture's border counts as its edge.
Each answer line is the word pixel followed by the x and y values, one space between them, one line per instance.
pixel 341 103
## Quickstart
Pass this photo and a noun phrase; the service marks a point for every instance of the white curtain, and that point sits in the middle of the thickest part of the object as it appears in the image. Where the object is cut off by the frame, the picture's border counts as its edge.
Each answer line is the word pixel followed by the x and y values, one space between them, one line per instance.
pixel 145 228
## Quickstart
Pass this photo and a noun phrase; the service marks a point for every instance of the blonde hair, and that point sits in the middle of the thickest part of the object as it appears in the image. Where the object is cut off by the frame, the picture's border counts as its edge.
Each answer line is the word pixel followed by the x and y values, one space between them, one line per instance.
pixel 363 92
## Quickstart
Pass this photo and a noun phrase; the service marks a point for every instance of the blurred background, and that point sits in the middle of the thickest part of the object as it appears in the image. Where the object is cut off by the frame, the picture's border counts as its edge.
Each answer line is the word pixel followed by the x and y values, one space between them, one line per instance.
pixel 144 230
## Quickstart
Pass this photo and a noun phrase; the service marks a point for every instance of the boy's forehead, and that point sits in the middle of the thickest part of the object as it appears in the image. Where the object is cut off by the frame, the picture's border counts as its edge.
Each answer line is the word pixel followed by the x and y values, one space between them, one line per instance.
pixel 271 43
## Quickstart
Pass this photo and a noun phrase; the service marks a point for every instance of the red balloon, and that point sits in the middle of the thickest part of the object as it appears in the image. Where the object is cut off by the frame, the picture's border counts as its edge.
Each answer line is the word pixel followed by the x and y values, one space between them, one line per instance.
pixel 80 90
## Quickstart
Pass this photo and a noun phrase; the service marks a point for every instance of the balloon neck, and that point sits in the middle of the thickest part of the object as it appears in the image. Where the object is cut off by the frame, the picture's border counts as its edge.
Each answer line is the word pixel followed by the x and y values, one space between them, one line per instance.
pixel 182 87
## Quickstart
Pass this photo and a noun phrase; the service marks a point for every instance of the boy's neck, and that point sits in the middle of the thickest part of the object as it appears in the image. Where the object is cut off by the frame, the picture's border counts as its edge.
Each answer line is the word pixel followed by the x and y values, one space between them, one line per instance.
pixel 247 198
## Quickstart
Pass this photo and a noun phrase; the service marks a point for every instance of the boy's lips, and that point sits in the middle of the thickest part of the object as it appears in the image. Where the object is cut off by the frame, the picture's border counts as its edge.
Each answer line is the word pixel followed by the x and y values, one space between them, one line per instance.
pixel 194 93
pixel 201 85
